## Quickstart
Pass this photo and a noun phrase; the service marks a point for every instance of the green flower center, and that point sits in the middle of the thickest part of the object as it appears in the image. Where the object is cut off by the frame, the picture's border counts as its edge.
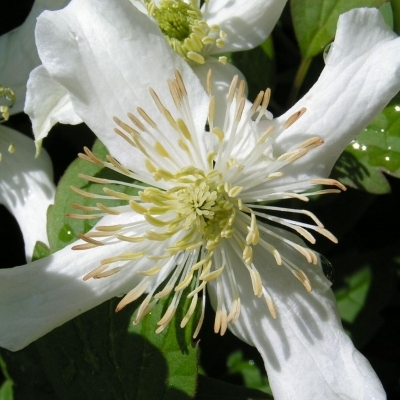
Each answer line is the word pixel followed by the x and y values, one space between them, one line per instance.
pixel 185 30
pixel 201 204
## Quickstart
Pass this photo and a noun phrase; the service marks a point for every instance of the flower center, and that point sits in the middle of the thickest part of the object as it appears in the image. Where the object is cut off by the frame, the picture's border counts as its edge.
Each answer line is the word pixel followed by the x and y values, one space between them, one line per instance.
pixel 185 30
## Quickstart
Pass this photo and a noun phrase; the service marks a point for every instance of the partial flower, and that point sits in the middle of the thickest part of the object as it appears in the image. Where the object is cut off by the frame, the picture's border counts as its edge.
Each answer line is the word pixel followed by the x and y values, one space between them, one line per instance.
pixel 26 185
pixel 201 217
pixel 18 53
pixel 195 33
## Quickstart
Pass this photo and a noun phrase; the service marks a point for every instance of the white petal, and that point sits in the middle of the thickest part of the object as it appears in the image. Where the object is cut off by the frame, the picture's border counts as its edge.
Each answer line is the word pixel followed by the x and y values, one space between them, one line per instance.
pixel 18 52
pixel 362 74
pixel 306 352
pixel 26 186
pixel 47 102
pixel 108 67
pixel 37 297
pixel 247 23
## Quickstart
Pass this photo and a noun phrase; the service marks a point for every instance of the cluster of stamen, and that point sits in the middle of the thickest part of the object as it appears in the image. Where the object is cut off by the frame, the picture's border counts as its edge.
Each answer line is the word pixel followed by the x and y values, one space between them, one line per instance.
pixel 9 96
pixel 200 204
pixel 185 30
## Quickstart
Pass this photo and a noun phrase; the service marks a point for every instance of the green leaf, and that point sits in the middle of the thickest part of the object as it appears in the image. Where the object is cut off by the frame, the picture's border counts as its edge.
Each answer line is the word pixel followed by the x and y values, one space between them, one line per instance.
pixel 351 299
pixel 315 21
pixel 62 230
pixel 252 376
pixel 212 389
pixel 41 250
pixel 375 150
pixel 368 286
pixel 6 391
pixel 101 355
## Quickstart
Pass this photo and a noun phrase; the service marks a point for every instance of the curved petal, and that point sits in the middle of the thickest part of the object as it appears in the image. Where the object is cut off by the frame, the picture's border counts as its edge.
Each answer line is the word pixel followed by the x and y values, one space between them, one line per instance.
pixel 47 102
pixel 247 23
pixel 362 74
pixel 18 52
pixel 26 186
pixel 107 68
pixel 306 352
pixel 37 297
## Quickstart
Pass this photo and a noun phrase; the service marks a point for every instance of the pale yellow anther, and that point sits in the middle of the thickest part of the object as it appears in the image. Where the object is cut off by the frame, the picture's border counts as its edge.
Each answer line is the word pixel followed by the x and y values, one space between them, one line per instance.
pixel 11 148
pixel 271 307
pixel 293 118
pixel 184 129
pixel 185 283
pixel 220 43
pixel 212 275
pixel 219 133
pixel 274 175
pixel 333 182
pixel 266 135
pixel 161 150
pixel 235 191
pixel 132 295
pixel 223 60
pixel 311 143
pixel 196 57
pixel 227 187
pixel 190 311
pixel 183 145
pixel 166 291
pixel 277 256
pixel 137 207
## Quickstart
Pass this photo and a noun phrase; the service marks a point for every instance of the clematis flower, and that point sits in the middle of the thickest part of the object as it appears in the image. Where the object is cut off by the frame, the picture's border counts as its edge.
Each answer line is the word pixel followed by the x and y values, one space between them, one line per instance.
pixel 218 26
pixel 27 187
pixel 195 33
pixel 18 52
pixel 201 217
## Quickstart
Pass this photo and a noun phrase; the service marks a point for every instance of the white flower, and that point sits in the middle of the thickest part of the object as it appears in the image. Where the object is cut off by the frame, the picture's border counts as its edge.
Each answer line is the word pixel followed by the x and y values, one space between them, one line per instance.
pixel 18 53
pixel 218 26
pixel 203 222
pixel 195 33
pixel 26 184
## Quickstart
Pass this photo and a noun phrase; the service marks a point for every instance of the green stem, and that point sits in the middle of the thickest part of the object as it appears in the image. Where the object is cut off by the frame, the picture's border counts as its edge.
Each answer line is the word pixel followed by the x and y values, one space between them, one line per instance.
pixel 299 79
pixel 3 369
pixel 396 15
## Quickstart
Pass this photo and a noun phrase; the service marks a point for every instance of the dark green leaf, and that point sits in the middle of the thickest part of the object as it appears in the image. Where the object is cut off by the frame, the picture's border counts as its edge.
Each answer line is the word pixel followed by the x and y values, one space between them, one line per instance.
pixel 212 389
pixel 100 354
pixel 315 21
pixel 252 376
pixel 375 150
pixel 368 286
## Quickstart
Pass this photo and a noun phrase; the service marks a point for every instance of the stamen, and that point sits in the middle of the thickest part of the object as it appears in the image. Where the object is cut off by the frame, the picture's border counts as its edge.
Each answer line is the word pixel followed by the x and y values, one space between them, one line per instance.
pixel 293 118
pixel 201 210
